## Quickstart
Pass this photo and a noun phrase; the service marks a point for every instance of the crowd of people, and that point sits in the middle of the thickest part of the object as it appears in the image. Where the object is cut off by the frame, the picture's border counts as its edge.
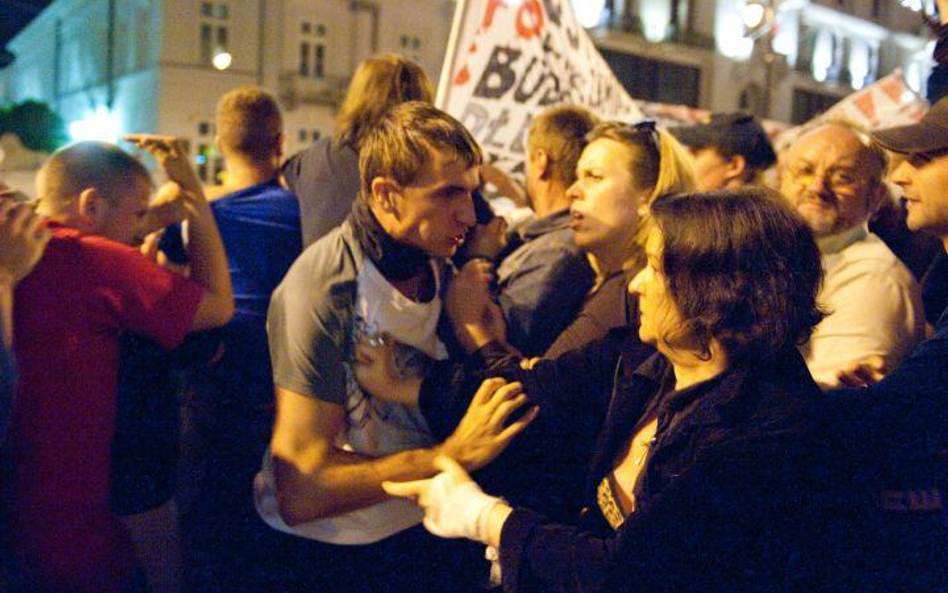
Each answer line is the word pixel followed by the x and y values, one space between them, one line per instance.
pixel 352 370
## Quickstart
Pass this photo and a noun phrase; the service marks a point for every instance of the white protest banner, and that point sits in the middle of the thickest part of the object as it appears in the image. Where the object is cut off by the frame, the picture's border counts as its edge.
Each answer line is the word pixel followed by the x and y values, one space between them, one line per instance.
pixel 508 60
pixel 886 103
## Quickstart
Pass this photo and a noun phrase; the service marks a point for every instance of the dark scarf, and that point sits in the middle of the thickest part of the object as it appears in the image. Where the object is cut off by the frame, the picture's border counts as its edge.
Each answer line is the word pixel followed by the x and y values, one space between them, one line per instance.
pixel 394 260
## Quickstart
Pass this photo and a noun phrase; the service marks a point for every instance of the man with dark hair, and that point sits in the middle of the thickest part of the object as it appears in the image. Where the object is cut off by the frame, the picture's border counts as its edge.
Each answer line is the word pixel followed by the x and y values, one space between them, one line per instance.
pixel 833 175
pixel 730 150
pixel 377 276
pixel 91 286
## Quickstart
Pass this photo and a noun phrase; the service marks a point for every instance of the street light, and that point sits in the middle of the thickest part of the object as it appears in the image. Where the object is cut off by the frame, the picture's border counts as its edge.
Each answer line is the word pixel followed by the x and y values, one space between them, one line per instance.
pixel 753 15
pixel 222 60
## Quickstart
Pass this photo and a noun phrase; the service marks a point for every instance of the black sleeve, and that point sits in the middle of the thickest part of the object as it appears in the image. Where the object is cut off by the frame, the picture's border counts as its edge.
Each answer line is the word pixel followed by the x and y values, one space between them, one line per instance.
pixel 577 384
pixel 545 467
pixel 738 519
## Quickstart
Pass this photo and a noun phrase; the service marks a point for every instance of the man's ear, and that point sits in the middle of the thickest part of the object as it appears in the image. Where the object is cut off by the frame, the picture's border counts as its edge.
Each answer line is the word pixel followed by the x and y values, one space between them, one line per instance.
pixel 384 193
pixel 736 168
pixel 280 140
pixel 541 163
pixel 91 209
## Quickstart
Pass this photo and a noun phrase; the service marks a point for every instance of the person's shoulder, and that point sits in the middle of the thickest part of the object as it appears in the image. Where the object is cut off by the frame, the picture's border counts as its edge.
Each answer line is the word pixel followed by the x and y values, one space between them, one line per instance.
pixel 333 260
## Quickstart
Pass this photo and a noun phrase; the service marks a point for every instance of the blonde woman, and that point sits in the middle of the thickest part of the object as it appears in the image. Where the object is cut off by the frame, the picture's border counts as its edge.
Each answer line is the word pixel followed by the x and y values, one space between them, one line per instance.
pixel 622 170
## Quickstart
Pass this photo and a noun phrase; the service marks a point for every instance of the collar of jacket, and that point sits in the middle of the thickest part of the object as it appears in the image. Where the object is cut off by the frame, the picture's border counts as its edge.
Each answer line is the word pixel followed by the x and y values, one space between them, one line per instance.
pixel 551 222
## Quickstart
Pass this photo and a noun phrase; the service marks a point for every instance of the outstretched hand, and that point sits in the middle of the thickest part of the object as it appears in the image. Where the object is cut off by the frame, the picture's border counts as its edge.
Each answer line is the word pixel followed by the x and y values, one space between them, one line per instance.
pixel 455 506
pixel 483 432
pixel 170 153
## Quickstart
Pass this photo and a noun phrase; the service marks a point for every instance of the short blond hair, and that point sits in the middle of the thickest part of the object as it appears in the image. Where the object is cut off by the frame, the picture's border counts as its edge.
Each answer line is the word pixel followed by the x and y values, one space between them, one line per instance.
pixel 398 145
pixel 249 123
pixel 89 165
pixel 561 133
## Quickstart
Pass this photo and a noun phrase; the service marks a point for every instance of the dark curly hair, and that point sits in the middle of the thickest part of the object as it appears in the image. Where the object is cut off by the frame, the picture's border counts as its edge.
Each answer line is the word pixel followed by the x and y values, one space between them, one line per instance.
pixel 742 267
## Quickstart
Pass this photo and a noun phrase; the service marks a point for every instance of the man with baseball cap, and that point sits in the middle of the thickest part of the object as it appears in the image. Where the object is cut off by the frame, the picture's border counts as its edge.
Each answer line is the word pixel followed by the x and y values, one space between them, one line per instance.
pixel 904 418
pixel 730 150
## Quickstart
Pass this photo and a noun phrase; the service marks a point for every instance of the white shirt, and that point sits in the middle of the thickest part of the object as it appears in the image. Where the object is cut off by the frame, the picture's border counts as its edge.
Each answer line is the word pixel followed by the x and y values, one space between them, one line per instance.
pixel 873 305
pixel 374 428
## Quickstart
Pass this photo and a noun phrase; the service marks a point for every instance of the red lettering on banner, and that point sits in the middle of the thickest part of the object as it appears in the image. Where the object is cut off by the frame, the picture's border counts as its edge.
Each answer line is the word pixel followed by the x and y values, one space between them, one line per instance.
pixel 867 105
pixel 462 76
pixel 492 6
pixel 529 10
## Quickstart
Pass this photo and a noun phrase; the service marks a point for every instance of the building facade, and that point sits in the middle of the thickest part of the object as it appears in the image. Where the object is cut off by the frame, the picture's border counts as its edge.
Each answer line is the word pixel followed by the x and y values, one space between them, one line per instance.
pixel 698 53
pixel 112 67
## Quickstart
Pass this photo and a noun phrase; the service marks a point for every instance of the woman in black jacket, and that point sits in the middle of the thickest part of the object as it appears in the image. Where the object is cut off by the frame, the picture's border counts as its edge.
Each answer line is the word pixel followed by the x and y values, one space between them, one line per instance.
pixel 717 466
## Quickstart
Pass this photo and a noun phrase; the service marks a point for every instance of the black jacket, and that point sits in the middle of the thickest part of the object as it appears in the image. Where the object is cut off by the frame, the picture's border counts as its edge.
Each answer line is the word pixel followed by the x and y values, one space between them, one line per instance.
pixel 748 488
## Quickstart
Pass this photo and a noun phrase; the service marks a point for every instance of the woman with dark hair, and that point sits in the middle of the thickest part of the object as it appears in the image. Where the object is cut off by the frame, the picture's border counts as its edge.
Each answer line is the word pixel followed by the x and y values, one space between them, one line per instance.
pixel 325 176
pixel 717 466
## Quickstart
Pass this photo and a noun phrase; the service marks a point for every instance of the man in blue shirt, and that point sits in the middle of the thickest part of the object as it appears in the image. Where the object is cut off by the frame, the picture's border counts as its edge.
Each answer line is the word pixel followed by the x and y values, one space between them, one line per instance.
pixel 229 415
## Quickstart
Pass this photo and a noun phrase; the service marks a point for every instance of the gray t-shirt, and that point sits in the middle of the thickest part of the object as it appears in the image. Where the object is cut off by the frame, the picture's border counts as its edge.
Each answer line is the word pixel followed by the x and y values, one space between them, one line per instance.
pixel 330 298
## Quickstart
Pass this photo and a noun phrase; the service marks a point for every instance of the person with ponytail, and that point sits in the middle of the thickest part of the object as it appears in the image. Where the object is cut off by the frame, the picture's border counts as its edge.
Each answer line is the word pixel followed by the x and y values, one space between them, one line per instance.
pixel 325 176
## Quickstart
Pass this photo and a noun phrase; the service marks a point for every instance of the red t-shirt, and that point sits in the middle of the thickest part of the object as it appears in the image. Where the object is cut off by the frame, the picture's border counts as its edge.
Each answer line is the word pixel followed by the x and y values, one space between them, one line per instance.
pixel 68 316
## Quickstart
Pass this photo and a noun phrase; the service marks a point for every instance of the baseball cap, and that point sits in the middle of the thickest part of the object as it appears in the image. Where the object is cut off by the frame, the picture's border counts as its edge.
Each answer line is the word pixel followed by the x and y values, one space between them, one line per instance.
pixel 731 133
pixel 928 135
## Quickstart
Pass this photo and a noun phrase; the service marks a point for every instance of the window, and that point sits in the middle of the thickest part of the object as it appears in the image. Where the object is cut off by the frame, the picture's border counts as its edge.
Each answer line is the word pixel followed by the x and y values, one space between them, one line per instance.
pixel 319 62
pixel 313 51
pixel 204 128
pixel 316 135
pixel 201 159
pixel 302 135
pixel 808 104
pixel 206 54
pixel 410 42
pixel 304 59
pixel 656 80
pixel 214 29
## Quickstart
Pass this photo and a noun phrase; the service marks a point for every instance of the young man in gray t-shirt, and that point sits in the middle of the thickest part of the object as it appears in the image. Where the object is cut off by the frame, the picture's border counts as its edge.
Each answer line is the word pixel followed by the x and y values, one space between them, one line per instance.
pixel 379 273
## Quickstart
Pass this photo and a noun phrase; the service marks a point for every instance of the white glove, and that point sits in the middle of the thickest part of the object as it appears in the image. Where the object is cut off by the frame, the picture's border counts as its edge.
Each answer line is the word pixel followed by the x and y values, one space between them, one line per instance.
pixel 455 506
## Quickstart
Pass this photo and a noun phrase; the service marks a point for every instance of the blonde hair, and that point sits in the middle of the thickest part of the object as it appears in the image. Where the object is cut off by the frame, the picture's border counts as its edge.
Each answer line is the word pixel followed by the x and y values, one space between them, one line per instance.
pixel 379 84
pixel 249 123
pixel 657 161
pixel 561 132
pixel 399 144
